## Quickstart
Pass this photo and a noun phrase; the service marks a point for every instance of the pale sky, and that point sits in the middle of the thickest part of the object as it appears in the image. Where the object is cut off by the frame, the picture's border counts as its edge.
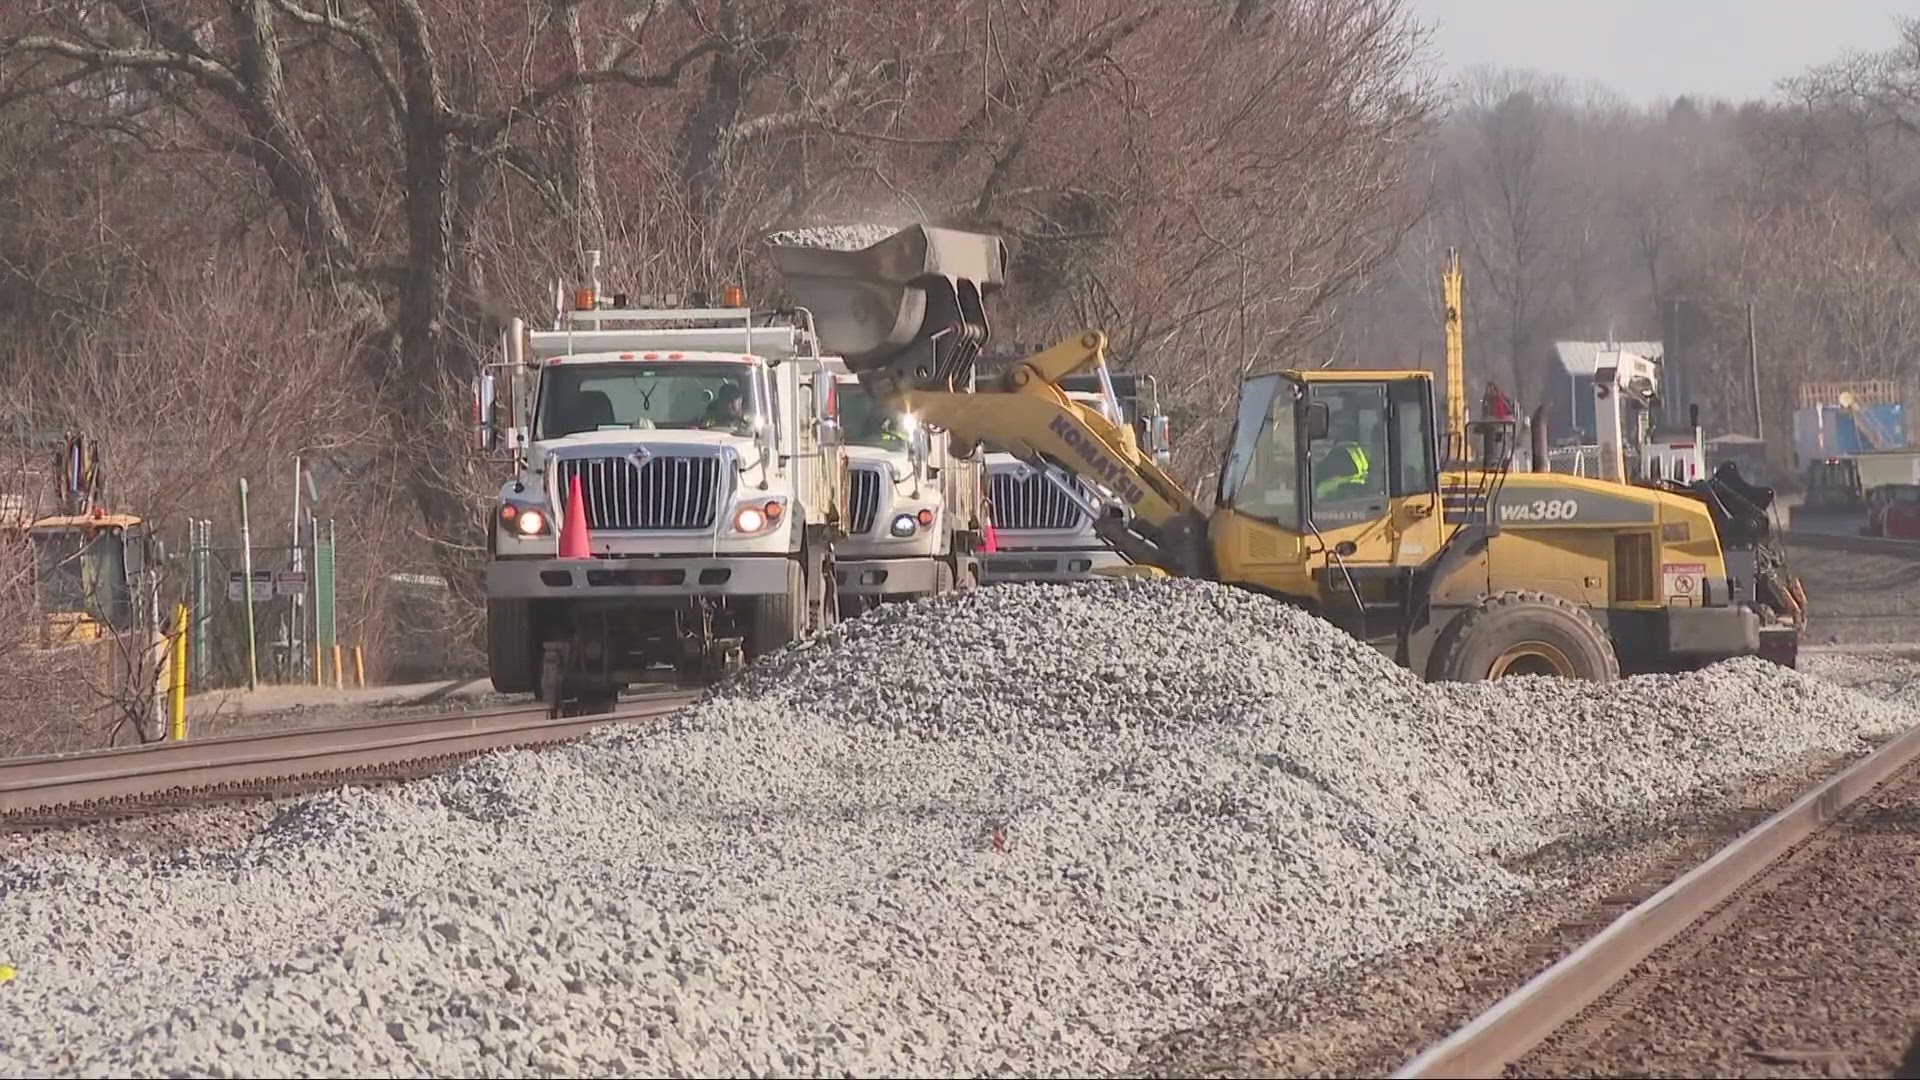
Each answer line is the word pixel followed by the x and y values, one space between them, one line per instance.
pixel 1647 49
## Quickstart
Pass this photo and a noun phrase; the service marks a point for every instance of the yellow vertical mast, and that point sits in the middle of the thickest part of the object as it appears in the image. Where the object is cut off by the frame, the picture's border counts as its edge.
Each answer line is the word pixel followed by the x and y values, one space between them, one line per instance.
pixel 1451 289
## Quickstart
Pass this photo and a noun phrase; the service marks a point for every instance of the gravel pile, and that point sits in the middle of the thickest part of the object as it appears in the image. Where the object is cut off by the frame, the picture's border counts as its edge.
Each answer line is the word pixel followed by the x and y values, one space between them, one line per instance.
pixel 837 237
pixel 1017 831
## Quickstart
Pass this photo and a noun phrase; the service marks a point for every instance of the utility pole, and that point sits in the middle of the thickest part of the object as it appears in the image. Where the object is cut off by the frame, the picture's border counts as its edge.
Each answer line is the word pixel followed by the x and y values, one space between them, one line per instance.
pixel 246 563
pixel 296 648
pixel 1753 364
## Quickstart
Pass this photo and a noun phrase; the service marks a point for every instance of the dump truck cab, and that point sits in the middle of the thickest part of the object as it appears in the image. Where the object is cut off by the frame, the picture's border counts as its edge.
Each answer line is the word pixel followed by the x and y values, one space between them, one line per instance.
pixel 709 467
pixel 915 509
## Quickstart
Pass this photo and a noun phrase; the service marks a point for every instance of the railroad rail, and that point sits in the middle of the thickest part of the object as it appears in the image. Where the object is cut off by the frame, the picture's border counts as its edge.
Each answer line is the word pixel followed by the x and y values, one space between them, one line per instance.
pixel 1524 1019
pixel 53 790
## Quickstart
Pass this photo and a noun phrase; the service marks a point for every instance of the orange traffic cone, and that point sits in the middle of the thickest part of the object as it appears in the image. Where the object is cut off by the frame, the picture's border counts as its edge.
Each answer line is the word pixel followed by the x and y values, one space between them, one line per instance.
pixel 989 540
pixel 573 529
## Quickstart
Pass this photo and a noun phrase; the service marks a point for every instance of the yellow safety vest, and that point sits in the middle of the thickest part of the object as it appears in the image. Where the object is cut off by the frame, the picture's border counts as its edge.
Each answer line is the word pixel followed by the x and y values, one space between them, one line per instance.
pixel 1358 457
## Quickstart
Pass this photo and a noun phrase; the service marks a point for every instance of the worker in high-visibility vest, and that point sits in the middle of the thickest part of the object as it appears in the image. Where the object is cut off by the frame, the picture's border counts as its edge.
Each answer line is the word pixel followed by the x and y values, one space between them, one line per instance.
pixel 1342 473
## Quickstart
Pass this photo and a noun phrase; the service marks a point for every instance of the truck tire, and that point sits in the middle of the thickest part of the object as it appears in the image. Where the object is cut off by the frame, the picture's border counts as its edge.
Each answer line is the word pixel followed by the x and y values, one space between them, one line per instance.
pixel 1524 633
pixel 778 621
pixel 942 579
pixel 512 654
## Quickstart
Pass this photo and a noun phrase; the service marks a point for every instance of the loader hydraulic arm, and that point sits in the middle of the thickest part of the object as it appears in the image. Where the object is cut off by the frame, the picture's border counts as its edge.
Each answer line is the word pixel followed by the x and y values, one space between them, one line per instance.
pixel 1142 511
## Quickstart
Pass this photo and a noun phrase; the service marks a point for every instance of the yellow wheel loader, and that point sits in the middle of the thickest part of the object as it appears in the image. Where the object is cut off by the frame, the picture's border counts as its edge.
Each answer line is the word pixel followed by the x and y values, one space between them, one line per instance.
pixel 1333 494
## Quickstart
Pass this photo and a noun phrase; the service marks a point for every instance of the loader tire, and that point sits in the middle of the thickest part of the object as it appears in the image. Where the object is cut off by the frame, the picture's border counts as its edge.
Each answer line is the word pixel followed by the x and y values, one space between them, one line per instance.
pixel 1524 633
pixel 512 656
pixel 779 620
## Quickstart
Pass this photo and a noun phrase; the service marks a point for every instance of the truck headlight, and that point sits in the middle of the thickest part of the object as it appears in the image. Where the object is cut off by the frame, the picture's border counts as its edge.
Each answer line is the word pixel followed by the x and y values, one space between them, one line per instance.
pixel 757 518
pixel 905 525
pixel 523 520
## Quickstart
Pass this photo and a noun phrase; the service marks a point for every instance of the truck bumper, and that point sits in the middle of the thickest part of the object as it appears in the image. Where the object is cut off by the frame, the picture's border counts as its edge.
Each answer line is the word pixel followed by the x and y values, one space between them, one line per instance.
pixel 998 567
pixel 887 577
pixel 611 579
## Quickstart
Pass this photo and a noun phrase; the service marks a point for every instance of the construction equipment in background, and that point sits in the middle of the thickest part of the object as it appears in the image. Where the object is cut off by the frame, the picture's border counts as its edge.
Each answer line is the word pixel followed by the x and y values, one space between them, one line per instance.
pixel 1332 493
pixel 96 574
pixel 699 449
pixel 1848 437
pixel 916 510
pixel 96 584
pixel 1453 318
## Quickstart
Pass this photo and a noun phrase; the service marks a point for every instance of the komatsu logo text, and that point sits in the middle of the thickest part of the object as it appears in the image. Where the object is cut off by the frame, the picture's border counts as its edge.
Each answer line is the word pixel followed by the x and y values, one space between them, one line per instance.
pixel 1107 471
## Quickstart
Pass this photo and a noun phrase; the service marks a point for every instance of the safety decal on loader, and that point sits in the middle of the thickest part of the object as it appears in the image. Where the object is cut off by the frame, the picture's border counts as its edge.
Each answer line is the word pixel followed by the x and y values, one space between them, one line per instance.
pixel 1682 580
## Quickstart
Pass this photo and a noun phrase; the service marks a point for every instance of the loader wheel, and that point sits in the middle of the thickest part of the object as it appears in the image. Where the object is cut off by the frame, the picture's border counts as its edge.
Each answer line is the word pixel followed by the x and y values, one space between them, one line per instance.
pixel 511 657
pixel 779 620
pixel 1524 633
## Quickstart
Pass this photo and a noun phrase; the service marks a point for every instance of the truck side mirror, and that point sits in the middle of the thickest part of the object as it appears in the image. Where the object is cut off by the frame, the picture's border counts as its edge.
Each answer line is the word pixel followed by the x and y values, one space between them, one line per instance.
pixel 1160 439
pixel 826 408
pixel 484 433
pixel 1318 422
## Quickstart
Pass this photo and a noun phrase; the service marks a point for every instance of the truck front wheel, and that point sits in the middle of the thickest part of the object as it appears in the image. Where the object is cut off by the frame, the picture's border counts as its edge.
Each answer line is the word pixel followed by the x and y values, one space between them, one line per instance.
pixel 781 619
pixel 511 658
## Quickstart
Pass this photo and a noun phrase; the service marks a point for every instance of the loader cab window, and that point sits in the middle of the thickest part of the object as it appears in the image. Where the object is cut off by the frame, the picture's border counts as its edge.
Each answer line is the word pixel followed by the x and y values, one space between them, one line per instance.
pixel 1348 472
pixel 1411 401
pixel 1261 478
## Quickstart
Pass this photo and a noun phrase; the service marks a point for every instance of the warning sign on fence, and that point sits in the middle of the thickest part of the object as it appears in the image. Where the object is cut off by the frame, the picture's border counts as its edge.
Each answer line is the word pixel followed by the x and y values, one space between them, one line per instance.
pixel 267 584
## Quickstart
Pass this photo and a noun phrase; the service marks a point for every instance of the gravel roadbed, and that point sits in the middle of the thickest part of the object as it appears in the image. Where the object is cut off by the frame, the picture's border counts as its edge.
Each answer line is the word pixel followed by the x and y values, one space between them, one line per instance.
pixel 1026 831
pixel 1858 599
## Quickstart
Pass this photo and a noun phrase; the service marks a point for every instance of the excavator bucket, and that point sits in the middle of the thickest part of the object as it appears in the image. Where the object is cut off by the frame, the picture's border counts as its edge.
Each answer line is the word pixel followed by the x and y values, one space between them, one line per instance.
pixel 905 312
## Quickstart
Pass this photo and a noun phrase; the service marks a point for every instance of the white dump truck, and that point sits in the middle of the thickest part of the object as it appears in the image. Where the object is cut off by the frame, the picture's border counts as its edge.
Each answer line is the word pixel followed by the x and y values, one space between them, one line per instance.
pixel 915 509
pixel 1043 522
pixel 712 480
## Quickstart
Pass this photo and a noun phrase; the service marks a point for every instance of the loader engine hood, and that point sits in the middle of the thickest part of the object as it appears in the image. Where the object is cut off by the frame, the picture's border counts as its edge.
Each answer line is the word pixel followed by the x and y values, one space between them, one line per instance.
pixel 905 313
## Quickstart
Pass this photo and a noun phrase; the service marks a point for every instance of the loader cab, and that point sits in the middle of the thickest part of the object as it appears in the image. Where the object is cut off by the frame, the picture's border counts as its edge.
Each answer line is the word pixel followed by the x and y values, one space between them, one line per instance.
pixel 1330 472
pixel 1311 454
pixel 85 572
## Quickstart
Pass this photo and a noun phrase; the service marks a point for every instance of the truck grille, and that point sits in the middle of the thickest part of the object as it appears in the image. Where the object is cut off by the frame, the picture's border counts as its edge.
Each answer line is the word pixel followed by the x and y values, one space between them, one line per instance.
pixel 863 500
pixel 1032 502
pixel 669 491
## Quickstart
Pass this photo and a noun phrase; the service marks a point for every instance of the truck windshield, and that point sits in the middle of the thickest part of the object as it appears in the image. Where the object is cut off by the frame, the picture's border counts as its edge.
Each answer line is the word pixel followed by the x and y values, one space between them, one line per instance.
pixel 667 394
pixel 865 422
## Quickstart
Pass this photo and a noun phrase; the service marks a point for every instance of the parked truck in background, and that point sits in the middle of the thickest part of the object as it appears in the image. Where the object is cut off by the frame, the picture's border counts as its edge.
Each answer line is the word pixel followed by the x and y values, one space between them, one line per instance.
pixel 1043 521
pixel 915 509
pixel 712 477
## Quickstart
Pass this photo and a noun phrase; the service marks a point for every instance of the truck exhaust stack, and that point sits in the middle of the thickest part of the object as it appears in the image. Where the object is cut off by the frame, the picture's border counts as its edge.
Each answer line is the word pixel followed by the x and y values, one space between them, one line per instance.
pixel 905 313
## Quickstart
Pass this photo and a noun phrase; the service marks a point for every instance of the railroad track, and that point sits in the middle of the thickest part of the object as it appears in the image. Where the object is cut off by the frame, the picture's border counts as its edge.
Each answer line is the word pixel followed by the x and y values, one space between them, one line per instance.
pixel 1525 1019
pixel 66 789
